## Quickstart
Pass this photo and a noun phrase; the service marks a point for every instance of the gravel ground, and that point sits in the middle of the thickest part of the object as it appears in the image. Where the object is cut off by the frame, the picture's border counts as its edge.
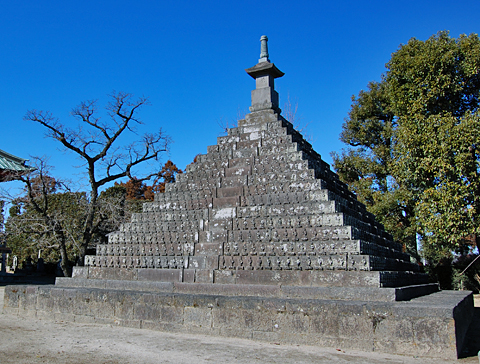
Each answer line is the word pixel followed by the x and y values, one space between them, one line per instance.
pixel 39 341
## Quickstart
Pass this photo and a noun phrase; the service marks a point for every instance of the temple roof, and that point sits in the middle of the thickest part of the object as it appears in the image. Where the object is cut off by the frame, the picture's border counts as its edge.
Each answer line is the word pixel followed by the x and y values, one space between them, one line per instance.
pixel 11 167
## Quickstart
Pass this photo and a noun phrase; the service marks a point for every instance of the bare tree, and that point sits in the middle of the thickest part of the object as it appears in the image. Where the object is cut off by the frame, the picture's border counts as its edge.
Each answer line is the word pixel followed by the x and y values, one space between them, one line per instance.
pixel 2 222
pixel 2 204
pixel 290 113
pixel 95 142
pixel 226 124
pixel 42 217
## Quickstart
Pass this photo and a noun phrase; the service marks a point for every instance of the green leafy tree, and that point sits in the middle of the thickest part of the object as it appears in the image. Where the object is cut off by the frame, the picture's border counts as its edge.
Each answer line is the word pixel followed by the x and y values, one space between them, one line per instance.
pixel 448 207
pixel 367 167
pixel 414 151
pixel 435 90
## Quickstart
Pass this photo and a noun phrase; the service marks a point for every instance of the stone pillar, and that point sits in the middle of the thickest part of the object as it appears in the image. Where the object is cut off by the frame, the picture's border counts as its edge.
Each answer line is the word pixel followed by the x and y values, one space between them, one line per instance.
pixel 263 49
pixel 3 261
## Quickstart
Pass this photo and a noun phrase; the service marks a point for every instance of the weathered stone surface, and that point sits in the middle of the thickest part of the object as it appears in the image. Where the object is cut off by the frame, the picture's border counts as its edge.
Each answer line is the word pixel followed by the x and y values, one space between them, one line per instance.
pixel 260 200
pixel 428 326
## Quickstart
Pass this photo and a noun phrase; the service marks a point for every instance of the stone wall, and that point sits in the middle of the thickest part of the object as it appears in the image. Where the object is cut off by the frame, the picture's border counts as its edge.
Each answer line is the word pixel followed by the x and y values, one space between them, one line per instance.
pixel 426 326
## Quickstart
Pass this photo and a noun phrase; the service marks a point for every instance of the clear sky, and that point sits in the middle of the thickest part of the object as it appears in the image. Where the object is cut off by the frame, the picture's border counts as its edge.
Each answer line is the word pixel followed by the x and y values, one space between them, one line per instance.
pixel 188 58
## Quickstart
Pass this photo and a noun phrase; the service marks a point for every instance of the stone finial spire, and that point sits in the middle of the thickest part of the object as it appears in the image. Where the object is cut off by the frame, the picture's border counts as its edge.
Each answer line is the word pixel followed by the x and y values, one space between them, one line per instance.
pixel 263 49
pixel 264 96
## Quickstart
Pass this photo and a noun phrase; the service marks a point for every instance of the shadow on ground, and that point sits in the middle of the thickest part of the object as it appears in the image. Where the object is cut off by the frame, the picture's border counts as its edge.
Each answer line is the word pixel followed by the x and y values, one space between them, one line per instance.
pixel 9 279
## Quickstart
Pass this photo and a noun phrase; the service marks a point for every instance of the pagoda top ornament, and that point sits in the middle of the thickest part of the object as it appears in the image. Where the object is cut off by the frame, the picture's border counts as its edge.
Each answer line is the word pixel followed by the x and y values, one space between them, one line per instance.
pixel 264 72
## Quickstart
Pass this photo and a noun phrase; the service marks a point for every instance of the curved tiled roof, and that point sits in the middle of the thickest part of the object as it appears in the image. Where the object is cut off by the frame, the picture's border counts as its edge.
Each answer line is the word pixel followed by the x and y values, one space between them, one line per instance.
pixel 12 166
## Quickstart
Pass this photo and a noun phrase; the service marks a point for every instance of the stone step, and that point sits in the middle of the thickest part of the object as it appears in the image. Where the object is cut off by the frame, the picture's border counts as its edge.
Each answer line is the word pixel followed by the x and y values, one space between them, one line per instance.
pixel 250 218
pixel 366 294
pixel 319 278
pixel 268 230
pixel 139 261
pixel 310 278
pixel 159 226
pixel 160 237
pixel 199 204
pixel 242 243
pixel 178 215
pixel 252 136
pixel 165 245
pixel 211 162
pixel 146 249
pixel 276 260
pixel 258 147
pixel 255 197
pixel 310 262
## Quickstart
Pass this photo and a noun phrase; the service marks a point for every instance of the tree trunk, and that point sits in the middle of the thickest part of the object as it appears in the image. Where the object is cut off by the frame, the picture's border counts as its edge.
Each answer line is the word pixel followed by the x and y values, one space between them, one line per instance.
pixel 64 264
pixel 88 227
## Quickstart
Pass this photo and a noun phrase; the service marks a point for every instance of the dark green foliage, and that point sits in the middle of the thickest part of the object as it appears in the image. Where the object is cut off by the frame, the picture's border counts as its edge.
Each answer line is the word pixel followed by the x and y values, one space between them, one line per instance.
pixel 451 273
pixel 60 221
pixel 414 156
pixel 29 230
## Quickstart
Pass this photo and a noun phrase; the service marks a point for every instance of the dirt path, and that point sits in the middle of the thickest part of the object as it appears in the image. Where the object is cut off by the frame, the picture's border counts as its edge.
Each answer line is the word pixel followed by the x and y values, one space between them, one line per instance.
pixel 37 341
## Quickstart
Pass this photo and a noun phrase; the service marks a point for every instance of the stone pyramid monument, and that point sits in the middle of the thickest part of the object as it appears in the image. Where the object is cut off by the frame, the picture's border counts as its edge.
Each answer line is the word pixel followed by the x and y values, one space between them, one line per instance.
pixel 261 207
pixel 259 239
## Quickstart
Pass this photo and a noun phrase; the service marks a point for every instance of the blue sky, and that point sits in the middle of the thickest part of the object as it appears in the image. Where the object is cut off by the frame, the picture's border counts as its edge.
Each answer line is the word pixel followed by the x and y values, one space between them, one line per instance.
pixel 188 58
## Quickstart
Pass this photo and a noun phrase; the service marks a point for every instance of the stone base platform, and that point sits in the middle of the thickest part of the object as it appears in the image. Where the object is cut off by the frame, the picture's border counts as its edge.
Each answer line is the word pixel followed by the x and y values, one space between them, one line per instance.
pixel 433 325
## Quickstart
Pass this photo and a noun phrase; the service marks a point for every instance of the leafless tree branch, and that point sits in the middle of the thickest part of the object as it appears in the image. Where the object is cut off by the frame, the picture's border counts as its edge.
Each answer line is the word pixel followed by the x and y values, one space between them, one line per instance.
pixel 95 142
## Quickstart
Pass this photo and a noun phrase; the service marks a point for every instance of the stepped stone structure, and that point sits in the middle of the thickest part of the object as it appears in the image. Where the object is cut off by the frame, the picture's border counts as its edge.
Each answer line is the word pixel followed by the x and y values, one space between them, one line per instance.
pixel 260 239
pixel 261 207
